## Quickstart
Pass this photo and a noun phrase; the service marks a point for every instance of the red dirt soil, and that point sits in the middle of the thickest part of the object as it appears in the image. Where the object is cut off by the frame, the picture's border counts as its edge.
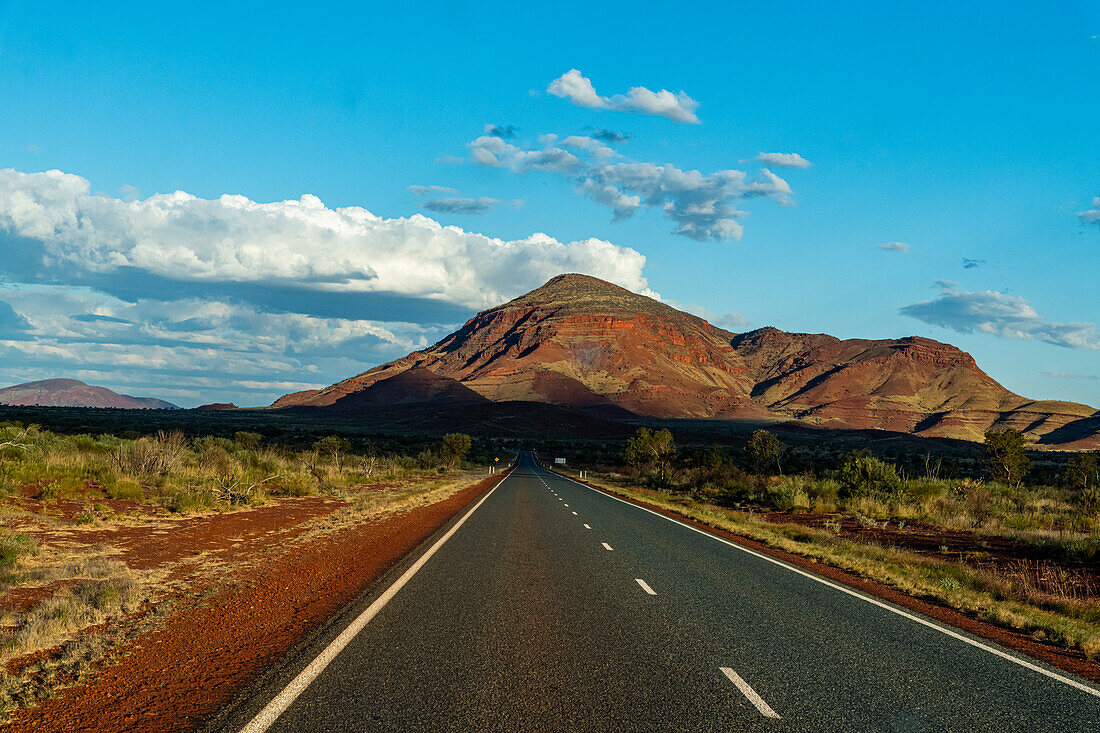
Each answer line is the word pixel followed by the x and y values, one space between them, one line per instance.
pixel 1071 661
pixel 174 678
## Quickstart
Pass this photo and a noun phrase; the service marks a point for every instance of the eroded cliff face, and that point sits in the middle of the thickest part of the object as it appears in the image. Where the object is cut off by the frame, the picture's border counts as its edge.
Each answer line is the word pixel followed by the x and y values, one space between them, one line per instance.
pixel 586 344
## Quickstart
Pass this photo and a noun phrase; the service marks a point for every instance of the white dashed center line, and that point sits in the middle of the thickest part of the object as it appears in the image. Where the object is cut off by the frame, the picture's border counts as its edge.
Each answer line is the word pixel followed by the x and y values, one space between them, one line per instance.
pixel 587 527
pixel 645 587
pixel 750 693
pixel 574 514
pixel 606 546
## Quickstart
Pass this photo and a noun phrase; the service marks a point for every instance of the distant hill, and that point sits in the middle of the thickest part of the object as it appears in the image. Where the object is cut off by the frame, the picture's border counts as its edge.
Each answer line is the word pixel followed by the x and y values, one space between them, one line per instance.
pixel 74 393
pixel 584 344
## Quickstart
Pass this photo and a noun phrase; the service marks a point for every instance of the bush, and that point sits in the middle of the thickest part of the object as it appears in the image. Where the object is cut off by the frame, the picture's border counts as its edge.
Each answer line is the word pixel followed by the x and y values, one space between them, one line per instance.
pixel 186 501
pixel 427 460
pixel 299 483
pixel 1090 500
pixel 151 456
pixel 105 595
pixel 13 547
pixel 125 489
pixel 786 497
pixel 246 440
pixel 863 475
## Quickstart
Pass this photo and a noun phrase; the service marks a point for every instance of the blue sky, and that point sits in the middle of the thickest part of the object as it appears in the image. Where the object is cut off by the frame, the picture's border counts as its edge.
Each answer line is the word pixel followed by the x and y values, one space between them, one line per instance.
pixel 300 249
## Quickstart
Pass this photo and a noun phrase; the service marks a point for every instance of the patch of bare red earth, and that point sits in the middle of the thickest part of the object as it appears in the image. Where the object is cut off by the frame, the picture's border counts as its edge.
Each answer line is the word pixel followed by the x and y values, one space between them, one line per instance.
pixel 174 678
pixel 1069 660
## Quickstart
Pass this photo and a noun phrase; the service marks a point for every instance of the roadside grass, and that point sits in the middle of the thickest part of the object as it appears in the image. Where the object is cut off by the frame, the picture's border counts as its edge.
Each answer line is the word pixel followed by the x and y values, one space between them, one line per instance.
pixel 1053 518
pixel 1020 598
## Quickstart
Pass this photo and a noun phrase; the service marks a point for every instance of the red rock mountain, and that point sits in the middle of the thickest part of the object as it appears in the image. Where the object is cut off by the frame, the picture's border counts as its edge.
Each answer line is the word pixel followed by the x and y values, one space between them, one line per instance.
pixel 582 343
pixel 73 393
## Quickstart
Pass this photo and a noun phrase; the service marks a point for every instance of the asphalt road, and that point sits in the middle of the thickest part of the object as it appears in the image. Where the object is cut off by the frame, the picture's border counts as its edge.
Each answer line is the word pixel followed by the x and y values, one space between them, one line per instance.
pixel 554 607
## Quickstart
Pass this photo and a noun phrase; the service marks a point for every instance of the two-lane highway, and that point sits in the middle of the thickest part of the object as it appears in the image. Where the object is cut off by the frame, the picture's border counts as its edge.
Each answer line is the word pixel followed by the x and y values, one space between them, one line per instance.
pixel 550 606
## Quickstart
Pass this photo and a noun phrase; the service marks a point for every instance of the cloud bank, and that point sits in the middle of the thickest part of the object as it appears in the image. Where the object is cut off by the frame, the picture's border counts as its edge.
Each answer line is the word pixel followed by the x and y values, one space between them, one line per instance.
pixel 295 243
pixel 702 206
pixel 1006 316
pixel 578 89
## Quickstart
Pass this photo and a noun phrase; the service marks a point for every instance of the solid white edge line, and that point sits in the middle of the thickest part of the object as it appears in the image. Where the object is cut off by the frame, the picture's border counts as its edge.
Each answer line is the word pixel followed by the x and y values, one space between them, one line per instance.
pixel 606 546
pixel 855 594
pixel 298 685
pixel 645 586
pixel 764 708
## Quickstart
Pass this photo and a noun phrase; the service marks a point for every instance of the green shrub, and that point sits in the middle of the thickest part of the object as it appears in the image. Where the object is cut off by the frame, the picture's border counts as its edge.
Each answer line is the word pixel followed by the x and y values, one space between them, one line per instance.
pixel 1090 500
pixel 48 490
pixel 299 483
pixel 864 475
pixel 7 485
pixel 125 489
pixel 246 440
pixel 15 546
pixel 786 497
pixel 188 500
pixel 105 595
pixel 427 460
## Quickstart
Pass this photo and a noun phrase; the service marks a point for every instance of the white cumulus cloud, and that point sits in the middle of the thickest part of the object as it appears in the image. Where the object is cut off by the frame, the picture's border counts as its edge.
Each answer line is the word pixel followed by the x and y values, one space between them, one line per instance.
pixel 298 243
pixel 702 206
pixel 782 160
pixel 1006 316
pixel 577 88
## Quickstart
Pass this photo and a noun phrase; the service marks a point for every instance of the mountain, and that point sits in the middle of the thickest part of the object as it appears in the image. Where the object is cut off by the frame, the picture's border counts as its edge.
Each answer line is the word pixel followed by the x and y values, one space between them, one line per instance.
pixel 73 393
pixel 416 386
pixel 581 343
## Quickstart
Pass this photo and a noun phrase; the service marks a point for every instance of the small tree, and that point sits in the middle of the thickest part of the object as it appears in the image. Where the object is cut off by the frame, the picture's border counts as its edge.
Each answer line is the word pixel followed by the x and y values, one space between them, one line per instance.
pixel 654 449
pixel 333 446
pixel 454 448
pixel 763 449
pixel 1004 452
pixel 1081 472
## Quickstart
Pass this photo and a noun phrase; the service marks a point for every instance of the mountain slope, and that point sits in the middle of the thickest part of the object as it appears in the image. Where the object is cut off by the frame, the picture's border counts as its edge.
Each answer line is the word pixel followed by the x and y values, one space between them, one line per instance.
pixel 73 393
pixel 585 344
